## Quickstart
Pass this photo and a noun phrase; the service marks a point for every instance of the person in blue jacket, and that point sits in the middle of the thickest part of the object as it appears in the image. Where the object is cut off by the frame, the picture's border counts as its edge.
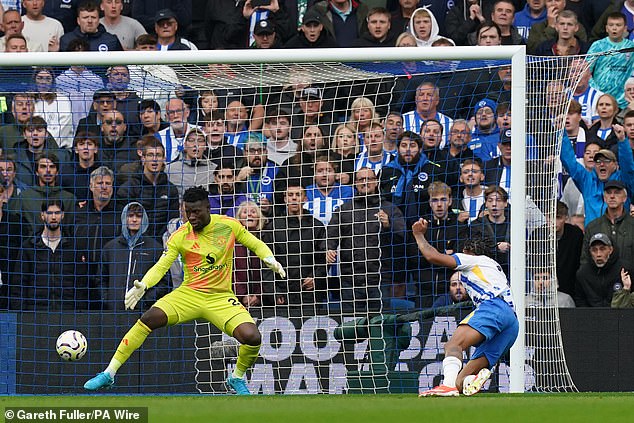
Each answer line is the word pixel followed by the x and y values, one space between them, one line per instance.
pixel 590 182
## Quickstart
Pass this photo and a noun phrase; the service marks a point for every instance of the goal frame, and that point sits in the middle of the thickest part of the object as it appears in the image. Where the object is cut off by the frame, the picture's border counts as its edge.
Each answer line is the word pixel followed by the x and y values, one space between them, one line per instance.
pixel 516 54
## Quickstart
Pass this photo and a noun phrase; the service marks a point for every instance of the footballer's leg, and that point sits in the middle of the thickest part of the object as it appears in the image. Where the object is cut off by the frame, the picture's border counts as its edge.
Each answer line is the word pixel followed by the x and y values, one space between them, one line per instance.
pixel 463 338
pixel 473 376
pixel 248 335
pixel 152 319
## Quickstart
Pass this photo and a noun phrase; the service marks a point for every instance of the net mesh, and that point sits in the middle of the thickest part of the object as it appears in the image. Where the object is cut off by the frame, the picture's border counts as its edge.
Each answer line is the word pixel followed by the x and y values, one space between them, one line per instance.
pixel 328 203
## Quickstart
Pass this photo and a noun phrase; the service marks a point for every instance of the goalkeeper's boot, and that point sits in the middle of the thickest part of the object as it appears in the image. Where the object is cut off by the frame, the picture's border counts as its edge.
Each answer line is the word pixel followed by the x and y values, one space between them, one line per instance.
pixel 239 385
pixel 440 391
pixel 102 380
pixel 478 383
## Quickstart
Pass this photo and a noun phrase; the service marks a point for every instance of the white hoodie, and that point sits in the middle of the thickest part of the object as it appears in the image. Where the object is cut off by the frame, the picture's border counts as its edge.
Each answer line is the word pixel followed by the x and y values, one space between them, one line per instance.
pixel 433 36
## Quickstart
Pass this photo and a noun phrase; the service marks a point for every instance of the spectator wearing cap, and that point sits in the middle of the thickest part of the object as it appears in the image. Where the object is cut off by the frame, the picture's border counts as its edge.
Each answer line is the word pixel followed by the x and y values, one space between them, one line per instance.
pixel 485 136
pixel 264 35
pixel 127 29
pixel 89 28
pixel 379 32
pixel 79 83
pixel 166 27
pixel 309 110
pixel 345 20
pixel 274 12
pixel 600 277
pixel 311 33
pixel 279 144
pixel 173 137
pixel 103 101
pixel 145 11
pixel 616 223
pixel 591 182
pixel 150 117
pixel 497 171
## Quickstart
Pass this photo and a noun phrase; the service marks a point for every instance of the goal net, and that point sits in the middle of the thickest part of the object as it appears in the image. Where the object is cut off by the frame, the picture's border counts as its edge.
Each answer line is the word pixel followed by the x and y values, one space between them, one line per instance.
pixel 307 152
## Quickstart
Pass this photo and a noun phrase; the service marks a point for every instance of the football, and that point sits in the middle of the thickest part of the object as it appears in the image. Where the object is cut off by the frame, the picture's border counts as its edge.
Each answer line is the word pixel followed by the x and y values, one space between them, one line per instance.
pixel 71 345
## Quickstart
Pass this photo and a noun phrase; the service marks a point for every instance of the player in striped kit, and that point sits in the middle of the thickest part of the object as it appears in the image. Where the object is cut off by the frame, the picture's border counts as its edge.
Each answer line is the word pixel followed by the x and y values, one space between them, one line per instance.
pixel 492 327
pixel 205 244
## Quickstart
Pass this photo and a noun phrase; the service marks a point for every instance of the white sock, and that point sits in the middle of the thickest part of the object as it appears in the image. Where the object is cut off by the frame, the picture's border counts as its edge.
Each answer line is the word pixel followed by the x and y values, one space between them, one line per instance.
pixel 112 368
pixel 450 368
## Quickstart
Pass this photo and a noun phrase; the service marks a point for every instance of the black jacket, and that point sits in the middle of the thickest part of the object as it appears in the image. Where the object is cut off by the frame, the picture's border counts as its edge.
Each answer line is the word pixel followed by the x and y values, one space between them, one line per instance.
pixel 300 41
pixel 368 252
pixel 299 244
pixel 595 286
pixel 99 41
pixel 120 266
pixel 47 280
pixel 160 201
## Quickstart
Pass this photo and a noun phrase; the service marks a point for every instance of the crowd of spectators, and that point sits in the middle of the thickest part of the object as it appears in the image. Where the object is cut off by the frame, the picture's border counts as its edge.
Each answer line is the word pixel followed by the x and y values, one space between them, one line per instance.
pixel 93 161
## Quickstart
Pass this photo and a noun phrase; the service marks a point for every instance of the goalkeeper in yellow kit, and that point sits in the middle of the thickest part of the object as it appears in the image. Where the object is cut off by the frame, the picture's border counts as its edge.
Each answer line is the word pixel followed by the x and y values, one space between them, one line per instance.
pixel 205 244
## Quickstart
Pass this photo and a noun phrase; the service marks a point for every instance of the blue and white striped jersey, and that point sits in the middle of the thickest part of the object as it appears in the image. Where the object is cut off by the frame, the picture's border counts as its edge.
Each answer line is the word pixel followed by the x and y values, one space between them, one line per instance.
pixel 413 122
pixel 323 206
pixel 483 278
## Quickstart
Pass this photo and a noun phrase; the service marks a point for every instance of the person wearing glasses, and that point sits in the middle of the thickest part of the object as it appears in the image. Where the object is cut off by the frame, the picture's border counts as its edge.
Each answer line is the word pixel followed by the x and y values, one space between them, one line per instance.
pixel 173 137
pixel 152 189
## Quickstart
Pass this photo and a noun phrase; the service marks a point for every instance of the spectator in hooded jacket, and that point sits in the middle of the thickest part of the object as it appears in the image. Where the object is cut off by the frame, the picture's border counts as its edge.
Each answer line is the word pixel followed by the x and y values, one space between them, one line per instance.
pixel 127 258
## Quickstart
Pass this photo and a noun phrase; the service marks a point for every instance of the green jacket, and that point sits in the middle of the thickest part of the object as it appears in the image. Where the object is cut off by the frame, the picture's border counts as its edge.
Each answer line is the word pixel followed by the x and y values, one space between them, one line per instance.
pixel 541 32
pixel 623 298
pixel 621 233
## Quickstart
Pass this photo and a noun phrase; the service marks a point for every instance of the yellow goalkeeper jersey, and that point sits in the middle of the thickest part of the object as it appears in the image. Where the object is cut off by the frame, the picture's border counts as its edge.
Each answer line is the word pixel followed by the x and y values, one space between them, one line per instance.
pixel 207 255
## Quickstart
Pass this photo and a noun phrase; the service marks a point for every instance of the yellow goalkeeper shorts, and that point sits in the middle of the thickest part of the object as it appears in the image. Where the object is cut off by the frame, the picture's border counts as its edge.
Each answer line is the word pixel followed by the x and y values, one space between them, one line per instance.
pixel 223 310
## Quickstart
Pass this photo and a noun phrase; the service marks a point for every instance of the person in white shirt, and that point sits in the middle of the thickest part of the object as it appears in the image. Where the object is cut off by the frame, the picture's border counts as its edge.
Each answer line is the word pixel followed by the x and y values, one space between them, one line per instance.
pixel 42 31
pixel 54 107
pixel 125 28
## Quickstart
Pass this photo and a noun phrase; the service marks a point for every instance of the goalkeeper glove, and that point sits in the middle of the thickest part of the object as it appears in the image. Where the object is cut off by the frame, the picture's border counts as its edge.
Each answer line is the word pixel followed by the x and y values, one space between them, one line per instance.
pixel 275 266
pixel 134 294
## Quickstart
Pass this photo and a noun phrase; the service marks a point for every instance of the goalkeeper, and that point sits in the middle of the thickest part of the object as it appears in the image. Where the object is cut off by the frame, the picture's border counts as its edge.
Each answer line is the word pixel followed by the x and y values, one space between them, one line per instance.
pixel 205 243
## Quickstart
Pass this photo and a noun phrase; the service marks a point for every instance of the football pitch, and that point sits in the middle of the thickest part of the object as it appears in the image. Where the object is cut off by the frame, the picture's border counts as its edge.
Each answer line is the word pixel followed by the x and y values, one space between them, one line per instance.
pixel 489 408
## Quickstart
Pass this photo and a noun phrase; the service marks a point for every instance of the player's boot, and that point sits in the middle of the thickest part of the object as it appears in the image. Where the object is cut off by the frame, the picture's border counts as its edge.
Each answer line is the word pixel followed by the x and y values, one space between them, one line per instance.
pixel 102 380
pixel 477 384
pixel 239 385
pixel 440 391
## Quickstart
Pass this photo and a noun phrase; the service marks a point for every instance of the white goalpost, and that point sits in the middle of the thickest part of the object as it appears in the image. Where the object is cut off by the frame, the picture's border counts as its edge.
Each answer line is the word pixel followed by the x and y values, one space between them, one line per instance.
pixel 312 346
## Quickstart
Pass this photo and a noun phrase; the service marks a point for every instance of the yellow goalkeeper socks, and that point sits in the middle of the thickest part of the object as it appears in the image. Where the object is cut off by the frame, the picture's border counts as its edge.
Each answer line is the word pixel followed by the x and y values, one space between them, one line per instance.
pixel 130 342
pixel 247 354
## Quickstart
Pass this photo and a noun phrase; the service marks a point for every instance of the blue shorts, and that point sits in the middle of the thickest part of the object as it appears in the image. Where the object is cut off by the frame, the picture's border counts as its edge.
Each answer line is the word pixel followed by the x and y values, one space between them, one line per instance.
pixel 496 320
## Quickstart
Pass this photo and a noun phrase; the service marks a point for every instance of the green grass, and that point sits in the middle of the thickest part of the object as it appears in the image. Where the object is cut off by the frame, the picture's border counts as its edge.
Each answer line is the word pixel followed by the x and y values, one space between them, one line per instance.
pixel 489 408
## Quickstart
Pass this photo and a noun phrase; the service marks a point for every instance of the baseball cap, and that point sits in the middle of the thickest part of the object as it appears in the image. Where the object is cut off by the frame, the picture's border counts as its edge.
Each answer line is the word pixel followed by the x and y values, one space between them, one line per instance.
pixel 613 184
pixel 485 102
pixel 311 16
pixel 602 238
pixel 608 154
pixel 264 26
pixel 311 92
pixel 505 136
pixel 163 14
